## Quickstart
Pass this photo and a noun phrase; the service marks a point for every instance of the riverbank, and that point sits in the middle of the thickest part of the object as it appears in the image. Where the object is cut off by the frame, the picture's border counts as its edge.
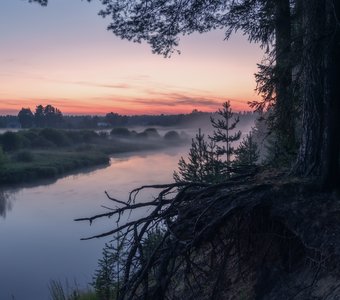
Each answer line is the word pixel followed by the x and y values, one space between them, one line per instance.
pixel 32 155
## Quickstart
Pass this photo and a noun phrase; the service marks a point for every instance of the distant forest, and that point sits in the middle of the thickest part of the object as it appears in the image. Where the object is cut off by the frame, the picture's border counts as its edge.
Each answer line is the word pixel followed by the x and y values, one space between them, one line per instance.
pixel 49 116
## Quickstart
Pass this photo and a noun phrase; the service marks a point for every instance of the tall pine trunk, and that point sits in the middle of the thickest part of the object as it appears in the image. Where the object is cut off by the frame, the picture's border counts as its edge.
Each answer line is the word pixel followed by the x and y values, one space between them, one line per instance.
pixel 320 144
pixel 284 107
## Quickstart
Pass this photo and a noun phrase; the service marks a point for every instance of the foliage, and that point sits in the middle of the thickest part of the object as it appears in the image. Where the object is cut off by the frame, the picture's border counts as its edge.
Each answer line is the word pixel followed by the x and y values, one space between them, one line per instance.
pixel 11 141
pixel 2 157
pixel 106 280
pixel 88 136
pixel 57 137
pixel 247 154
pixel 48 164
pixel 59 292
pixel 121 132
pixel 41 2
pixel 277 152
pixel 151 240
pixel 106 276
pixel 205 159
pixel 152 133
pixel 47 116
pixel 24 156
pixel 172 136
pixel 26 118
pixel 56 290
pixel 115 119
pixel 203 163
pixel 223 135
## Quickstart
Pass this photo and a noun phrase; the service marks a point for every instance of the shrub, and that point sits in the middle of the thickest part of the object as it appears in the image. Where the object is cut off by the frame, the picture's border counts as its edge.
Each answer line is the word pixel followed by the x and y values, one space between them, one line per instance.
pixel 247 154
pixel 11 141
pixel 89 135
pixel 24 156
pixel 172 136
pixel 57 137
pixel 41 142
pixel 74 135
pixel 30 135
pixel 152 133
pixel 2 157
pixel 121 132
pixel 202 165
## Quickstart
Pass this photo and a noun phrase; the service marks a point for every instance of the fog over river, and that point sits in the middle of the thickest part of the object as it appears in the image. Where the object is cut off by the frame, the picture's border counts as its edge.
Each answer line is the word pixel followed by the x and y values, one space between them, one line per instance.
pixel 39 239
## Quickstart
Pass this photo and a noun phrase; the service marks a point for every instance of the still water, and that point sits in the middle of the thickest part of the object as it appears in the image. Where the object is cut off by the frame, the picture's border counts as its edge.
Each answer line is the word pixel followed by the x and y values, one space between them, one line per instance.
pixel 39 240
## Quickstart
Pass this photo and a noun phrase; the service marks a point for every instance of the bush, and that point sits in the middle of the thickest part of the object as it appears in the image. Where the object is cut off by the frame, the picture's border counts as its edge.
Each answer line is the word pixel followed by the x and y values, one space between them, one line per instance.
pixel 2 157
pixel 24 156
pixel 172 136
pixel 152 133
pixel 57 137
pixel 121 132
pixel 89 135
pixel 11 141
pixel 30 134
pixel 41 142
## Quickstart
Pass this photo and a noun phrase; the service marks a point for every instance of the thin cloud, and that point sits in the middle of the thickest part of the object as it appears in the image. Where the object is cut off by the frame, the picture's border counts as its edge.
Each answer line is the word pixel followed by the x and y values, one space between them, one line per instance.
pixel 121 85
pixel 95 84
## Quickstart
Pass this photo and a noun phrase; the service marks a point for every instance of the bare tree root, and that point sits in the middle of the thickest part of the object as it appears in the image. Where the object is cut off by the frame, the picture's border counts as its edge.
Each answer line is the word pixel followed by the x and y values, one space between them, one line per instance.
pixel 208 233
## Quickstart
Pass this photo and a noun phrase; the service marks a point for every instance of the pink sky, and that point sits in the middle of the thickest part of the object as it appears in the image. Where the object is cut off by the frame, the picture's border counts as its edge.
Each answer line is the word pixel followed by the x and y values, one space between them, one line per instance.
pixel 62 55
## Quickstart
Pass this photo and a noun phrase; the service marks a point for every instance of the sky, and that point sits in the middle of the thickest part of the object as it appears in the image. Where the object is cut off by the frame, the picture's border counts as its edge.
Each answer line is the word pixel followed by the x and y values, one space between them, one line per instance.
pixel 63 55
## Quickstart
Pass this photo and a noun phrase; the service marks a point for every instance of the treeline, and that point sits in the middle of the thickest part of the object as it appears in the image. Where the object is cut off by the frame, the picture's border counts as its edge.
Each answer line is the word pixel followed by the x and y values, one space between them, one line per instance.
pixel 38 153
pixel 52 117
pixel 51 138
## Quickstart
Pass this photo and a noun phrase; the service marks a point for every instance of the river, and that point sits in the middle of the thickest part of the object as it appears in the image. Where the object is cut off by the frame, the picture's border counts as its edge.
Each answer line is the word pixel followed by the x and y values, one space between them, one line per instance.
pixel 39 239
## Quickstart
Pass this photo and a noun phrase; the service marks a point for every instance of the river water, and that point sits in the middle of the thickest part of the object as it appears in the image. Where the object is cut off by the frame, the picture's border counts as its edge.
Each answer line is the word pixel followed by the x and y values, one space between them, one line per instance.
pixel 39 239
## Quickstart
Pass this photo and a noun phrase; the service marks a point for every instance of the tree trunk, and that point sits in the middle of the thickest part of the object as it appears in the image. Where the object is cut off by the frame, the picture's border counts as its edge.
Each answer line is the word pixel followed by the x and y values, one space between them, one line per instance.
pixel 320 144
pixel 284 106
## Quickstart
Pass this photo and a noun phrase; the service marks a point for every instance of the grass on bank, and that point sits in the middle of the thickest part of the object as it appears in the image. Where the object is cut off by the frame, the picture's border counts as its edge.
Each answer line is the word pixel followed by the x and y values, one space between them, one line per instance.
pixel 33 154
pixel 59 292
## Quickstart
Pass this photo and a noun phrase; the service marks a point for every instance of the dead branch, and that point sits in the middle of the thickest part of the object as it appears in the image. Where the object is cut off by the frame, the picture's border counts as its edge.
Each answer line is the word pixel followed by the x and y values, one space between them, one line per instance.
pixel 194 219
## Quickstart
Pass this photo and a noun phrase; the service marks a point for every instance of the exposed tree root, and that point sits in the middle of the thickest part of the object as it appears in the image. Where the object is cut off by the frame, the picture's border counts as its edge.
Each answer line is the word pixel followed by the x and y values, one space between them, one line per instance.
pixel 254 237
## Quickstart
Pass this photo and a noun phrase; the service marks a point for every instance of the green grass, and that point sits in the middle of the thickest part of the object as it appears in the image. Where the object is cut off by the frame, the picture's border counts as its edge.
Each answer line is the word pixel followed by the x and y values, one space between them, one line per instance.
pixel 59 292
pixel 48 153
pixel 48 164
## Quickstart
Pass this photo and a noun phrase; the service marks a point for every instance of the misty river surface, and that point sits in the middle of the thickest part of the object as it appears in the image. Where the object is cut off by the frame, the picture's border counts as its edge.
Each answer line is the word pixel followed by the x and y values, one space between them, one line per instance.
pixel 41 242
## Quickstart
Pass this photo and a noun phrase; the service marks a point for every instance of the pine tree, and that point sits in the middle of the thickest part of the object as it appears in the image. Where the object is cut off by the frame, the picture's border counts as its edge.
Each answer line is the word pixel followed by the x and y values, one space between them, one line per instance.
pixel 247 154
pixel 223 135
pixel 105 277
pixel 203 163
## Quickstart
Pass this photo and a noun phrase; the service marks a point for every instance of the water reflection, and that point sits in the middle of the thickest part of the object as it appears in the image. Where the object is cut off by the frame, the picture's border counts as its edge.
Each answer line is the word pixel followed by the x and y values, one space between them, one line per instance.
pixel 41 221
pixel 5 202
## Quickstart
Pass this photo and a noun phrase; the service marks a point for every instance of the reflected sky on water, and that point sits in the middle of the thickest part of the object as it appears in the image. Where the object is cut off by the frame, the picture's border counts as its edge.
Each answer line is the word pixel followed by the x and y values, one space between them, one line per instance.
pixel 39 239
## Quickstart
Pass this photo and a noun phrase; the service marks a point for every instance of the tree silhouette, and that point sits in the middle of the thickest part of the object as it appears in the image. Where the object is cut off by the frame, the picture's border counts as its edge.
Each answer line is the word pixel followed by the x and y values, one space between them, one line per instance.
pixel 223 134
pixel 26 118
pixel 247 153
pixel 39 117
pixel 203 163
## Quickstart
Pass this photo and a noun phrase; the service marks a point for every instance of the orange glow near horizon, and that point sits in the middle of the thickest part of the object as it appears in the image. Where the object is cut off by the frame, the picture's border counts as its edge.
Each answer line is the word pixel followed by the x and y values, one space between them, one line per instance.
pixel 78 67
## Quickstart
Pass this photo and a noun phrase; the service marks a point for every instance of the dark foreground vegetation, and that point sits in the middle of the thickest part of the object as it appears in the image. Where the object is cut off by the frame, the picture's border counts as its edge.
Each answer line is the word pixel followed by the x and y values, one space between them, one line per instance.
pixel 33 154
